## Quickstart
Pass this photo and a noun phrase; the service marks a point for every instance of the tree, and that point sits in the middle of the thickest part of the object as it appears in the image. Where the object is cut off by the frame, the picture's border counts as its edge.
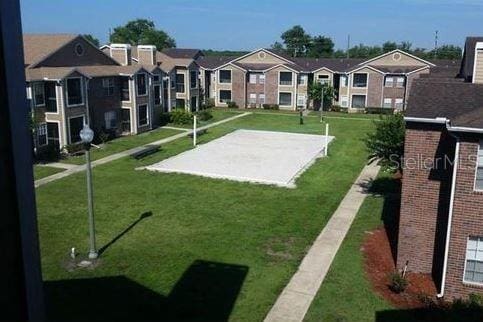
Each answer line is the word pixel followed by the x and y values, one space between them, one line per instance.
pixel 447 52
pixel 142 32
pixel 389 46
pixel 321 46
pixel 93 40
pixel 277 46
pixel 296 41
pixel 319 92
pixel 386 142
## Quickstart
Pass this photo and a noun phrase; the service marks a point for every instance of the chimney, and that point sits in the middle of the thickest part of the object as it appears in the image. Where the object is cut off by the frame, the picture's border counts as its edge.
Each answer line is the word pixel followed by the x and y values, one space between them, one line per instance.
pixel 121 53
pixel 147 54
pixel 478 64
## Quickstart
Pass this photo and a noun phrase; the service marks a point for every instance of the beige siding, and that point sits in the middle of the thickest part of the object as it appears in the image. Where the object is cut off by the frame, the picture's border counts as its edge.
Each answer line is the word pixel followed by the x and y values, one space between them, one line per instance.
pixel 478 75
pixel 397 59
pixel 262 57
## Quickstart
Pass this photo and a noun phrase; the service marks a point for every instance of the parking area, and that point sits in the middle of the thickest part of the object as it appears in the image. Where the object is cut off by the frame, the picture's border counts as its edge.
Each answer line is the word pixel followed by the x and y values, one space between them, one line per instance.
pixel 265 157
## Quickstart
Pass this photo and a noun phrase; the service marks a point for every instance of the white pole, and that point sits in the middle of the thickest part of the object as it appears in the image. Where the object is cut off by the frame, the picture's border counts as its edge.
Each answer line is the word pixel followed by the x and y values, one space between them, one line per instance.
pixel 326 139
pixel 194 130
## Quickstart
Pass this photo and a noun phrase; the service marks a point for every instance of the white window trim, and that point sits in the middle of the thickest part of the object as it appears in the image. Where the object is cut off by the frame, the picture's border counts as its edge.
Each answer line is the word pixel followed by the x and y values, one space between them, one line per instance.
pixel 219 95
pixel 402 83
pixel 43 124
pixel 231 76
pixel 284 71
pixel 108 80
pixel 34 96
pixel 367 80
pixel 346 100
pixel 260 98
pixel 67 91
pixel 291 98
pixel 480 146
pixel 303 79
pixel 302 97
pixel 196 79
pixel 69 134
pixel 129 79
pixel 105 123
pixel 345 83
pixel 352 98
pixel 396 103
pixel 384 102
pixel 391 82
pixel 252 76
pixel 145 82
pixel 464 268
pixel 261 79
pixel 147 115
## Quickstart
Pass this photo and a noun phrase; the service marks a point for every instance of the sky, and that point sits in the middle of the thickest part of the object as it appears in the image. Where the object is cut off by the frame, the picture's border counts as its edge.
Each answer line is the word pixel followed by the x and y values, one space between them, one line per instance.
pixel 251 24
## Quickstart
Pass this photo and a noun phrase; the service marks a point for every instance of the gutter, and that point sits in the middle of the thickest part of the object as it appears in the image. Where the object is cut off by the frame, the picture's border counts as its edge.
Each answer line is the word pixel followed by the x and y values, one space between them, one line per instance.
pixel 438 120
pixel 450 215
pixel 464 129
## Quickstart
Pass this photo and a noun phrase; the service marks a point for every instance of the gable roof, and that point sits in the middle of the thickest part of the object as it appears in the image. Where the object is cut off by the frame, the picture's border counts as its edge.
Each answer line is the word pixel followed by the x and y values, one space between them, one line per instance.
pixel 466 70
pixel 333 64
pixel 39 46
pixel 398 51
pixel 212 62
pixel 182 53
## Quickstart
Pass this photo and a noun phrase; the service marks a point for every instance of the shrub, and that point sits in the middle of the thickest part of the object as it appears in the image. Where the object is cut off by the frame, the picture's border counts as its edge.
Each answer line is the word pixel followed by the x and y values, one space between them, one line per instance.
pixel 181 117
pixel 74 148
pixel 344 110
pixel 204 115
pixel 164 118
pixel 398 283
pixel 49 153
pixel 379 110
pixel 270 106
pixel 335 108
pixel 209 103
pixel 104 136
pixel 232 104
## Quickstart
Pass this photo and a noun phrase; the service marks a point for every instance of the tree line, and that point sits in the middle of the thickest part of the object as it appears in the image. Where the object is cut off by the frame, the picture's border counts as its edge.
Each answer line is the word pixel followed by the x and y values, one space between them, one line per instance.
pixel 295 42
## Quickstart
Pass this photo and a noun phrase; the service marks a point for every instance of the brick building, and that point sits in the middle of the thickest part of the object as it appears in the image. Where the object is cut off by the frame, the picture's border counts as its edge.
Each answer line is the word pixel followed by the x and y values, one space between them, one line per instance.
pixel 441 219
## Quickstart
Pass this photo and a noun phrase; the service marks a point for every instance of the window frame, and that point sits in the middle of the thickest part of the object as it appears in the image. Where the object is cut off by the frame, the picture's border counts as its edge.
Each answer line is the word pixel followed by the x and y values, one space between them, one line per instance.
pixel 70 129
pixel 325 78
pixel 154 94
pixel 352 100
pixel 384 102
pixel 400 84
pixel 139 115
pixel 128 79
pixel 195 78
pixel 261 79
pixel 304 100
pixel 280 78
pixel 42 127
pixel 81 91
pixel 109 89
pixel 35 93
pixel 302 79
pixel 251 77
pixel 181 84
pixel 105 120
pixel 345 81
pixel 344 98
pixel 478 155
pixel 145 84
pixel 220 79
pixel 386 81
pixel 478 238
pixel 261 98
pixel 252 96
pixel 224 101
pixel 291 99
pixel 354 79
pixel 396 103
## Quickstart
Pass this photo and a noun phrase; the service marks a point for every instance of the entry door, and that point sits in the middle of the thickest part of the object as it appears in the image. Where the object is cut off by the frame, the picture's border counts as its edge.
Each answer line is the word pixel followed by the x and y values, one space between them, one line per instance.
pixel 194 103
pixel 53 134
pixel 126 120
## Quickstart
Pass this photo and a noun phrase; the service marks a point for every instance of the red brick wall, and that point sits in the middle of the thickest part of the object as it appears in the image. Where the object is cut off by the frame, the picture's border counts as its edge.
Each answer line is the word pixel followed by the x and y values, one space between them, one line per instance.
pixel 238 93
pixel 467 220
pixel 424 200
pixel 271 87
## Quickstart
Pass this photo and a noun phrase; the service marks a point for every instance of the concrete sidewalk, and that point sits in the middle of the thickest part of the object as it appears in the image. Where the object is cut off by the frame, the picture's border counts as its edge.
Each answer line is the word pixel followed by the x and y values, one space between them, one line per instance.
pixel 112 157
pixel 294 301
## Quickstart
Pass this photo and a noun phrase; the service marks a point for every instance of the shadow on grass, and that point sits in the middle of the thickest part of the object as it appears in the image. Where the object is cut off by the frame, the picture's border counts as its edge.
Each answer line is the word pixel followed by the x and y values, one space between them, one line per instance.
pixel 125 231
pixel 206 291
pixel 430 315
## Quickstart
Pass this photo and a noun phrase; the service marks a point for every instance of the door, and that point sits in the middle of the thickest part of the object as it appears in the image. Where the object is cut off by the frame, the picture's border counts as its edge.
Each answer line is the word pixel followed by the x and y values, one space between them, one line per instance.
pixel 53 134
pixel 126 120
pixel 194 103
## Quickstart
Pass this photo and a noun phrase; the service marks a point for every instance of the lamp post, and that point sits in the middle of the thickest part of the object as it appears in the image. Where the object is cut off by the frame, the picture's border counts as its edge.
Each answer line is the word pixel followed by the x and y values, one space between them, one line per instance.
pixel 87 135
pixel 322 106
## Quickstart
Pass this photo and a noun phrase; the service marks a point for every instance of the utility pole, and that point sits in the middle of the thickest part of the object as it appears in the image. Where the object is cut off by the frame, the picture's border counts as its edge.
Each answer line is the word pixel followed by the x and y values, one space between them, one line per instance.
pixel 348 44
pixel 436 44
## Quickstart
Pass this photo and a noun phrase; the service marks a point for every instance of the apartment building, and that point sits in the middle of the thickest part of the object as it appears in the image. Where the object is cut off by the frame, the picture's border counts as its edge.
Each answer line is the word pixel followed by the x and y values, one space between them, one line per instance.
pixel 441 218
pixel 268 77
pixel 70 82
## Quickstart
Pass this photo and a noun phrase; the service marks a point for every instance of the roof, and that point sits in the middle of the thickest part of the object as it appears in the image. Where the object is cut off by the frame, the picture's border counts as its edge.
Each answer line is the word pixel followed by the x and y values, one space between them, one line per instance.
pixel 460 102
pixel 39 46
pixel 255 67
pixel 54 73
pixel 212 62
pixel 466 70
pixel 397 69
pixel 334 64
pixel 182 52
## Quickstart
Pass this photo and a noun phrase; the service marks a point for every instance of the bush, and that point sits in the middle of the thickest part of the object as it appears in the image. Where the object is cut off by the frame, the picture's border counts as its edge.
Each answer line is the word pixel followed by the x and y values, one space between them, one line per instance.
pixel 164 118
pixel 379 110
pixel 398 283
pixel 104 136
pixel 74 148
pixel 335 108
pixel 204 115
pixel 181 117
pixel 231 104
pixel 270 106
pixel 344 110
pixel 49 153
pixel 210 103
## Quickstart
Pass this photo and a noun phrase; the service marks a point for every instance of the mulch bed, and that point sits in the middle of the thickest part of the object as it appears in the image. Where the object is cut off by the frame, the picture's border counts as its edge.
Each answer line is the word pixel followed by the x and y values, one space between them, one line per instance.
pixel 379 264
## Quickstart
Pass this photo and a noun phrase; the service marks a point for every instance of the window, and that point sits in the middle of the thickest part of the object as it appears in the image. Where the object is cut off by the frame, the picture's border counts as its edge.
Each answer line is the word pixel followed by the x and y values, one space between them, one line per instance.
pixel 50 95
pixel 179 83
pixel 285 99
pixel 474 260
pixel 261 98
pixel 156 78
pixel 193 79
pixel 285 78
pixel 302 79
pixel 141 84
pixel 173 84
pixel 74 92
pixel 389 81
pixel 387 102
pixel 75 126
pixel 261 79
pixel 110 119
pixel 225 96
pixel 108 86
pixel 157 95
pixel 301 100
pixel 125 89
pixel 42 138
pixel 479 168
pixel 225 76
pixel 399 103
pixel 400 82
pixel 343 81
pixel 79 49
pixel 358 101
pixel 39 94
pixel 359 80
pixel 323 79
pixel 252 99
pixel 344 101
pixel 143 115
pixel 253 78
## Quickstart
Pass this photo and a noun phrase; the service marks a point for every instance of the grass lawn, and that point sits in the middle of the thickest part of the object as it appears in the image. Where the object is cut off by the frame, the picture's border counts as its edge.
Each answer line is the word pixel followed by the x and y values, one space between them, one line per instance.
pixel 44 171
pixel 182 246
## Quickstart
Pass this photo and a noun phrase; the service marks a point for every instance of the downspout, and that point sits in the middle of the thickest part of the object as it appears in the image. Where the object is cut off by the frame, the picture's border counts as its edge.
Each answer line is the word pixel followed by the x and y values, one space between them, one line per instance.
pixel 450 215
pixel 87 103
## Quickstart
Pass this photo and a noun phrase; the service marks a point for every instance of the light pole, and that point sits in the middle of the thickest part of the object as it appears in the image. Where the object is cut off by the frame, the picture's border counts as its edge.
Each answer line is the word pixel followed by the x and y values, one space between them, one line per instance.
pixel 87 135
pixel 322 106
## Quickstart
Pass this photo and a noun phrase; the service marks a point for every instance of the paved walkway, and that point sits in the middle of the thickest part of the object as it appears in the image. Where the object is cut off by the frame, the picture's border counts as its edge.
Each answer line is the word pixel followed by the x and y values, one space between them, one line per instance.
pixel 294 301
pixel 112 157
pixel 59 165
